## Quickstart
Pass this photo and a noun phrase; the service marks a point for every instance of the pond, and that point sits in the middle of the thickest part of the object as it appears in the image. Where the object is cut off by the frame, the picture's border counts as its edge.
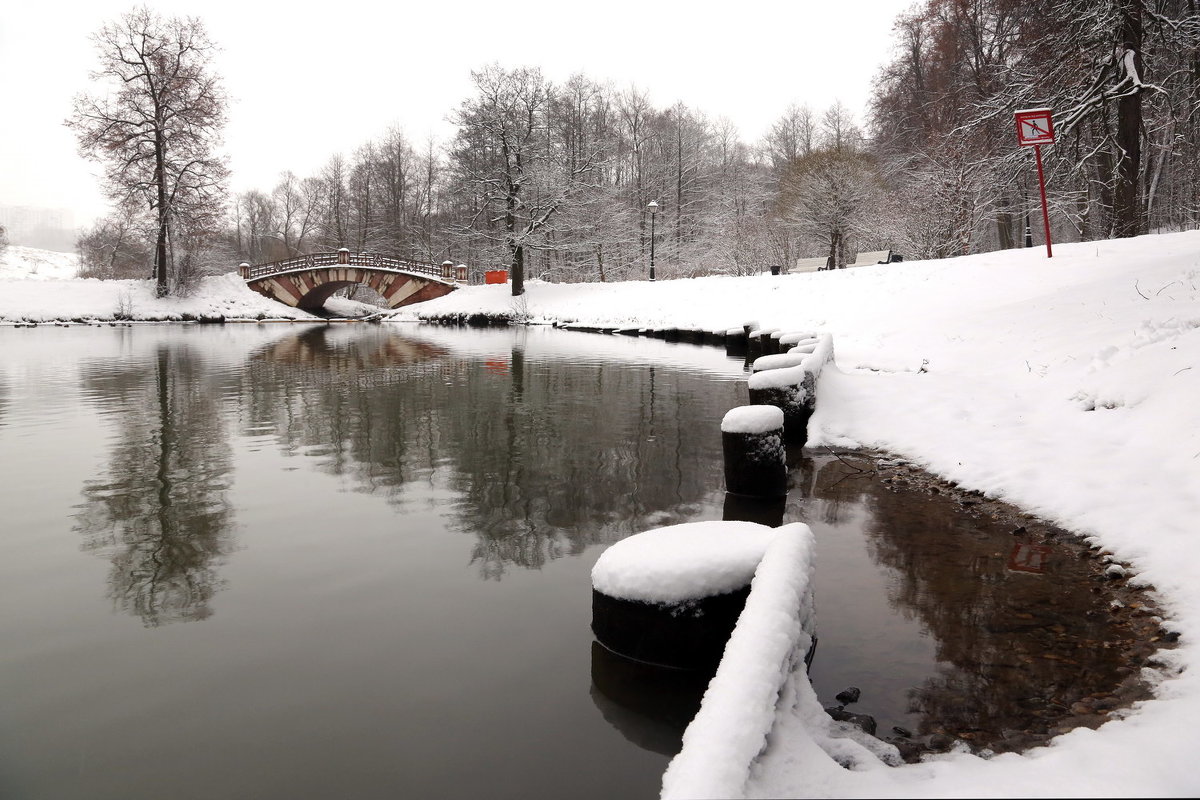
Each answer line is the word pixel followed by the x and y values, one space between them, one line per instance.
pixel 281 561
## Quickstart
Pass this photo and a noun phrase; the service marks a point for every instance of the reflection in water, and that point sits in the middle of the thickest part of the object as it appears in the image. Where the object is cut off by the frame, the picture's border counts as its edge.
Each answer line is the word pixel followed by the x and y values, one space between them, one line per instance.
pixel 651 706
pixel 542 459
pixel 160 512
pixel 946 622
pixel 1016 625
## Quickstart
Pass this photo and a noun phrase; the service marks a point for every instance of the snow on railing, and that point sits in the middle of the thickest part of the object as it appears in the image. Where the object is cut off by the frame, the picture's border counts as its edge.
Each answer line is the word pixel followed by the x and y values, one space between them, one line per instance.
pixel 371 260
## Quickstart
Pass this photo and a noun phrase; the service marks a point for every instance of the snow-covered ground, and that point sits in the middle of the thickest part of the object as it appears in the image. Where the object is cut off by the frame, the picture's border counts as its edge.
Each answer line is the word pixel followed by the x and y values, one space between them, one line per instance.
pixel 30 263
pixel 40 285
pixel 1069 387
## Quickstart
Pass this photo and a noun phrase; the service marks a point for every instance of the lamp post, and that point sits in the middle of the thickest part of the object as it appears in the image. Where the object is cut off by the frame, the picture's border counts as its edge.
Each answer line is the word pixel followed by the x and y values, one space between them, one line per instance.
pixel 653 208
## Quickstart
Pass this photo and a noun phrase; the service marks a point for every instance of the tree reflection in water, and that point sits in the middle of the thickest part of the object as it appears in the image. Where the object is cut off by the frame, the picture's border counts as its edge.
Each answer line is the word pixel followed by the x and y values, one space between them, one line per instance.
pixel 1009 643
pixel 540 459
pixel 160 512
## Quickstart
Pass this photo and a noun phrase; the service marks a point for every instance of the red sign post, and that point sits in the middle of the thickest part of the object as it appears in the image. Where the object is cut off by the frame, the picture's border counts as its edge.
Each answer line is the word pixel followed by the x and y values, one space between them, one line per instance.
pixel 1035 127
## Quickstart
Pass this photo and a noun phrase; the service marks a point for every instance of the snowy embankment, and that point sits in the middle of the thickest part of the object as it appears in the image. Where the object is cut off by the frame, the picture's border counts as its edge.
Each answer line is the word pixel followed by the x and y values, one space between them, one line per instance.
pixel 40 286
pixel 1067 386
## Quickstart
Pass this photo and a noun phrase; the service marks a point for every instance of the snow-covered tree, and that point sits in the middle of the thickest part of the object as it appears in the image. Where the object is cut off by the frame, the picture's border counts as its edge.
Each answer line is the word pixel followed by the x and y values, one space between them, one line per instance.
pixel 156 127
pixel 829 195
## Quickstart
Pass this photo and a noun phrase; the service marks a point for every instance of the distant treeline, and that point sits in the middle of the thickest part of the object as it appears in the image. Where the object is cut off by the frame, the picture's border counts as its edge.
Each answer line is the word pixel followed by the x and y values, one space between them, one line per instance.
pixel 554 180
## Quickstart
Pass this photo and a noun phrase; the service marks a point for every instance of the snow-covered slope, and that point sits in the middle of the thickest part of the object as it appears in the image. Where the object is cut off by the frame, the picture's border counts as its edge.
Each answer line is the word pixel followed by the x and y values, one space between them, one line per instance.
pixel 30 263
pixel 40 285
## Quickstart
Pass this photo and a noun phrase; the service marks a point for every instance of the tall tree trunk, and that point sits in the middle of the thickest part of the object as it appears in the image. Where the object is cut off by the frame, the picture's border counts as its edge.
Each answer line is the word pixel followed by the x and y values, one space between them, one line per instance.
pixel 160 248
pixel 1127 211
pixel 518 270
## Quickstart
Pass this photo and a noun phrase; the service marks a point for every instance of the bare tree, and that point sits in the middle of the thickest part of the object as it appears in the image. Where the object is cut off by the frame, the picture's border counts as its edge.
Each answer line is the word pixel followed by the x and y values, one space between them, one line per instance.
pixel 829 194
pixel 115 247
pixel 156 128
pixel 505 157
pixel 791 136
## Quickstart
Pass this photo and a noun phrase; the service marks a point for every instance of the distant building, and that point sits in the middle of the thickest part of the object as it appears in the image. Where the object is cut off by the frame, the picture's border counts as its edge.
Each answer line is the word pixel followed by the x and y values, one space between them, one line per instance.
pixel 47 228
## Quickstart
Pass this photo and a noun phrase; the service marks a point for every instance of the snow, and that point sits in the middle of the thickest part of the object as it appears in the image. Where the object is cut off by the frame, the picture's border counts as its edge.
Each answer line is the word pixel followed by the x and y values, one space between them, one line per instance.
pixel 778 378
pixel 682 562
pixel 1067 386
pixel 35 287
pixel 752 419
pixel 30 263
pixel 738 709
pixel 795 339
pixel 778 361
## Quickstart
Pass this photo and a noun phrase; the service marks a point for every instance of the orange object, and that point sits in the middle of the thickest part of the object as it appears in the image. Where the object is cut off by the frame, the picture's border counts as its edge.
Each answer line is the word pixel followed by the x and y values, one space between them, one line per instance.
pixel 496 276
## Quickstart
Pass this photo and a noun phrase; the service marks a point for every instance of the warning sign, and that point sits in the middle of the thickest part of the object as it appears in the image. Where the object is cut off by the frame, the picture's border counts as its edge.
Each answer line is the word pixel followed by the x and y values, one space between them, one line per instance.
pixel 1035 126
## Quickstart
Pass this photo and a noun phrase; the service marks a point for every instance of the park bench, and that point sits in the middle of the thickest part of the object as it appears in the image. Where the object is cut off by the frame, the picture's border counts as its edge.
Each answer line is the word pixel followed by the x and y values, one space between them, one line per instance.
pixel 860 260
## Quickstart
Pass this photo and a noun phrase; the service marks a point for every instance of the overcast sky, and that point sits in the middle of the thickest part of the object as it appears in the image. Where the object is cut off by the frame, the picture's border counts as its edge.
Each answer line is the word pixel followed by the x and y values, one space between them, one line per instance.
pixel 311 79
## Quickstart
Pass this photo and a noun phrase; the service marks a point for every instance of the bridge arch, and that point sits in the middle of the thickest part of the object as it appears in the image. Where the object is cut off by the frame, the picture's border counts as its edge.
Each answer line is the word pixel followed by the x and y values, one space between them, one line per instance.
pixel 306 282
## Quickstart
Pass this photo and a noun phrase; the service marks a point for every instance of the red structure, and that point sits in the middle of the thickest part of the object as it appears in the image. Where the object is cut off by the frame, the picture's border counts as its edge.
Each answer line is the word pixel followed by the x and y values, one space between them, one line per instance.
pixel 1035 127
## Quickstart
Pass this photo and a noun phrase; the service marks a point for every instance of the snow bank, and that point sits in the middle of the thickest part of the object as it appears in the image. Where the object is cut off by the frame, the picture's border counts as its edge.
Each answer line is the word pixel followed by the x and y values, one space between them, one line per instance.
pixel 30 263
pixel 739 708
pixel 682 562
pixel 44 300
pixel 752 419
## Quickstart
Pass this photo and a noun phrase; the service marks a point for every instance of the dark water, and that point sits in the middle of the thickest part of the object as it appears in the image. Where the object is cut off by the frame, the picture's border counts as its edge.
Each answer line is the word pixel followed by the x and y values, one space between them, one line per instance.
pixel 352 561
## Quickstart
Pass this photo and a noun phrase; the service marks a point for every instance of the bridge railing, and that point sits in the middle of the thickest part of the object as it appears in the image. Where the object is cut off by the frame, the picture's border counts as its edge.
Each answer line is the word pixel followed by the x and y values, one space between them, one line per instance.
pixel 313 260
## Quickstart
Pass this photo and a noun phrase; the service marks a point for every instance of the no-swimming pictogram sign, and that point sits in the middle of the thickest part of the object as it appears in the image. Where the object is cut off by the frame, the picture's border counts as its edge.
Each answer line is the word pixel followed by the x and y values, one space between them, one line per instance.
pixel 1035 126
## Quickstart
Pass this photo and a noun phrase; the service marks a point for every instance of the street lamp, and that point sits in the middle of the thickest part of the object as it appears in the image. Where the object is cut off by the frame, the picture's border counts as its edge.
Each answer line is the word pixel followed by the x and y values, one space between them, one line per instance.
pixel 653 208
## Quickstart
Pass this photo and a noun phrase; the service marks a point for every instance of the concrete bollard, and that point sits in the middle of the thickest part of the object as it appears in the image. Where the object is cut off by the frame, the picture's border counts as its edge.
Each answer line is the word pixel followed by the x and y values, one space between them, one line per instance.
pixel 763 510
pixel 755 457
pixel 792 389
pixel 760 341
pixel 735 342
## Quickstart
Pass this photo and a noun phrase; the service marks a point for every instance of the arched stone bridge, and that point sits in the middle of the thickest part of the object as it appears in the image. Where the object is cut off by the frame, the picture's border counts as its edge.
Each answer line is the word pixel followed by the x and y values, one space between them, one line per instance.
pixel 308 281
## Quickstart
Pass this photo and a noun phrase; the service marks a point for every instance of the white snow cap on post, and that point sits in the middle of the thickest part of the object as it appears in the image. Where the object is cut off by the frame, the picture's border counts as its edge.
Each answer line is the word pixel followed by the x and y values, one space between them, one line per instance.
pixel 778 361
pixel 752 419
pixel 682 562
pixel 797 338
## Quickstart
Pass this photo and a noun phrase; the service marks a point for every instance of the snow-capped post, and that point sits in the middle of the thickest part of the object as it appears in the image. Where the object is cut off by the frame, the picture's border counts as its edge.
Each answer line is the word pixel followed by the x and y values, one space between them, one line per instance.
pixel 1035 127
pixel 755 458
pixel 244 270
pixel 762 510
pixel 671 596
pixel 735 342
pixel 791 388
pixel 343 255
